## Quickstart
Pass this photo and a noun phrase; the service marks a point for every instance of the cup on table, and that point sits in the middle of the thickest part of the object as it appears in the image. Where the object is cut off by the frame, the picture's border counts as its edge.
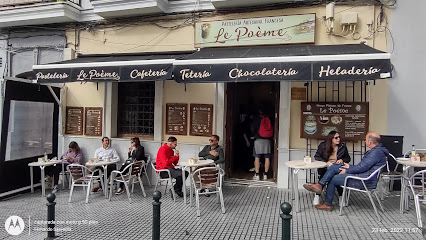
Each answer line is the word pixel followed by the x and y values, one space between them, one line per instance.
pixel 307 159
pixel 40 159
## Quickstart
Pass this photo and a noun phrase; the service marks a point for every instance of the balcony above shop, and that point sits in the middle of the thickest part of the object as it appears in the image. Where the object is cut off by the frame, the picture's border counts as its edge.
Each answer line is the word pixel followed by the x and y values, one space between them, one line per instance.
pixel 38 12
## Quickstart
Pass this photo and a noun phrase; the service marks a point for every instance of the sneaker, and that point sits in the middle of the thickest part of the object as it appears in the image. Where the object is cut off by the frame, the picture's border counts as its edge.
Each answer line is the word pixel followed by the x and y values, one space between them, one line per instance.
pixel 316 200
pixel 119 191
pixel 179 193
pixel 55 189
pixel 251 170
pixel 265 176
pixel 256 177
pixel 95 189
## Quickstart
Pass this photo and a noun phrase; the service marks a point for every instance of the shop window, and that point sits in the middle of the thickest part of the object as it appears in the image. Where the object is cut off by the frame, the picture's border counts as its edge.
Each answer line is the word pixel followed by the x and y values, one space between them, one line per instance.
pixel 136 109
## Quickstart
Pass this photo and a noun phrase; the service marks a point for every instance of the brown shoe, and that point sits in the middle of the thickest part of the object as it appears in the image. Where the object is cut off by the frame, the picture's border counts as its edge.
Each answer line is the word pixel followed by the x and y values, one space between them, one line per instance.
pixel 95 189
pixel 324 206
pixel 314 187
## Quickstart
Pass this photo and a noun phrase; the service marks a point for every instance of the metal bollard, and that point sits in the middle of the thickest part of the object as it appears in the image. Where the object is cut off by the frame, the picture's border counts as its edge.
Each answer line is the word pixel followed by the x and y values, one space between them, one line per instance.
pixel 156 215
pixel 51 216
pixel 286 217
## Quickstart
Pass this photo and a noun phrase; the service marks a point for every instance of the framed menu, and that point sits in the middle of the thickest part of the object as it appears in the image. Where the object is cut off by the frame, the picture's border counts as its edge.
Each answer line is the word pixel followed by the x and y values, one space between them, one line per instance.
pixel 93 121
pixel 201 121
pixel 74 120
pixel 350 119
pixel 176 118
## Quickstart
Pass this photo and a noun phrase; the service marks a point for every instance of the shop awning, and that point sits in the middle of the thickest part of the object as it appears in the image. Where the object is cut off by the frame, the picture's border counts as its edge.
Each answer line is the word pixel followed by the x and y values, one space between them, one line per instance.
pixel 293 63
pixel 115 68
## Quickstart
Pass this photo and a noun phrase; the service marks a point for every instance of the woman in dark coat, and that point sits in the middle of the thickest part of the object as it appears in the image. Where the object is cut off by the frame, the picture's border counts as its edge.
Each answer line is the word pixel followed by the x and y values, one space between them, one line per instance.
pixel 331 151
pixel 136 153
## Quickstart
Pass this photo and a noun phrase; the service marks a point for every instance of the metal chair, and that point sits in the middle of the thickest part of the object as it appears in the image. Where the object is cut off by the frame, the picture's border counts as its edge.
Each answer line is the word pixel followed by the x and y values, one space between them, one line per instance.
pixel 148 161
pixel 418 192
pixel 387 178
pixel 210 180
pixel 131 174
pixel 82 176
pixel 365 190
pixel 160 179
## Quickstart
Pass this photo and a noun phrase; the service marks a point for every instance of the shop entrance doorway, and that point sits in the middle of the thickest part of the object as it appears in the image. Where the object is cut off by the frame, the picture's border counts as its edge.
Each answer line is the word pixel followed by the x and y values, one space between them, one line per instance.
pixel 243 101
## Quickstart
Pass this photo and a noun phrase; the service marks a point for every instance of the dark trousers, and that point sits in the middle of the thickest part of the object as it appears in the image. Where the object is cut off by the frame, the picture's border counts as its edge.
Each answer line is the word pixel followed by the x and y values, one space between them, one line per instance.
pixel 110 168
pixel 321 172
pixel 127 170
pixel 54 171
pixel 176 174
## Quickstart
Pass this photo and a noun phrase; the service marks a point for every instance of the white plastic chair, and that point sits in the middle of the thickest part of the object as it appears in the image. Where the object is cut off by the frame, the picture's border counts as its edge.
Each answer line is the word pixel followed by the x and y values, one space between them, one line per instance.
pixel 388 177
pixel 160 179
pixel 418 192
pixel 83 177
pixel 210 180
pixel 131 174
pixel 369 192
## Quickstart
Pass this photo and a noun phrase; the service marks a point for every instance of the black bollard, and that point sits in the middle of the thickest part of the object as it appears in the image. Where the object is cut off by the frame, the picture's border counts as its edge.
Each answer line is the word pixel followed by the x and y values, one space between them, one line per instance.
pixel 286 217
pixel 51 216
pixel 156 215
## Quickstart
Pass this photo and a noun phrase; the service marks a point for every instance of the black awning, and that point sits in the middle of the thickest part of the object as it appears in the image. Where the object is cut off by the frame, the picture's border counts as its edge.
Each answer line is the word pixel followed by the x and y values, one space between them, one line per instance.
pixel 275 63
pixel 116 68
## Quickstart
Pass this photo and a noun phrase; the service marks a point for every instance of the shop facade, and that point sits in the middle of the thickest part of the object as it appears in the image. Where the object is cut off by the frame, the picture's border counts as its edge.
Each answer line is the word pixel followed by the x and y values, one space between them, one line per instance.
pixel 175 38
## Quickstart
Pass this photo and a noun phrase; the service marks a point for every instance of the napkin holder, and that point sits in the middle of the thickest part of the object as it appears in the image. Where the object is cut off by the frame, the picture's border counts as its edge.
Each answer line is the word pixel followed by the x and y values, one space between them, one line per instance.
pixel 307 159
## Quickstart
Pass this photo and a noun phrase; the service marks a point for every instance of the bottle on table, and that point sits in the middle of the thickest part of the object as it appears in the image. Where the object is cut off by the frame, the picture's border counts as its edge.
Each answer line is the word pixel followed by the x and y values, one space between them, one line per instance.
pixel 413 151
pixel 45 156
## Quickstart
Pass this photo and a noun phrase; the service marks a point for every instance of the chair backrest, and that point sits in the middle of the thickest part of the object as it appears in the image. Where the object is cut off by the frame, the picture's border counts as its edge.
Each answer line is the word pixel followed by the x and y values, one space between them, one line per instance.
pixel 209 177
pixel 377 171
pixel 148 158
pixel 137 168
pixel 77 171
pixel 154 167
pixel 390 156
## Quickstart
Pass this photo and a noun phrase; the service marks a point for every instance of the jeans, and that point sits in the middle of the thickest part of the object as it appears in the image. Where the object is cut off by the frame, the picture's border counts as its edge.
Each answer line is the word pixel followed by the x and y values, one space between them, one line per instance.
pixel 321 173
pixel 333 179
pixel 176 174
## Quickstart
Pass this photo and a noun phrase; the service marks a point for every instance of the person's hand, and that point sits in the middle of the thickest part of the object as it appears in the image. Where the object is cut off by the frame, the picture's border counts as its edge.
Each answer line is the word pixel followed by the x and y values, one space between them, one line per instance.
pixel 213 153
pixel 329 163
pixel 130 149
pixel 340 161
pixel 177 152
pixel 342 170
pixel 345 166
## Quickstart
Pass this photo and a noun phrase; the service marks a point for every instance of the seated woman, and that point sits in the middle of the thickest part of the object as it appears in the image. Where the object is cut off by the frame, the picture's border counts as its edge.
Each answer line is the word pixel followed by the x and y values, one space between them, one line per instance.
pixel 73 155
pixel 136 153
pixel 331 151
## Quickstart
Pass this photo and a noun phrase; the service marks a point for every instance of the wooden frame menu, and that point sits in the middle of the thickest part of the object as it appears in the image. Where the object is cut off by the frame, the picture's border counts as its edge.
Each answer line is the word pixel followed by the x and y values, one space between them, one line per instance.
pixel 93 123
pixel 201 120
pixel 74 120
pixel 176 119
pixel 350 119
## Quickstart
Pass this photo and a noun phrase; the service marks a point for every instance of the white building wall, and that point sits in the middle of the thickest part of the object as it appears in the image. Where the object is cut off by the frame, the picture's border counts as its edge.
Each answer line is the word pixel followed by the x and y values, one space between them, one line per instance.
pixel 407 111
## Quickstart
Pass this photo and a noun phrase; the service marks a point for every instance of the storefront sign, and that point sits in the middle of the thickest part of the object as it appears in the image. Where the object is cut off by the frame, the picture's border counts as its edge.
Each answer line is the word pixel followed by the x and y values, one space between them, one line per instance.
pixel 74 121
pixel 283 71
pixel 105 74
pixel 201 119
pixel 256 31
pixel 350 119
pixel 93 121
pixel 176 118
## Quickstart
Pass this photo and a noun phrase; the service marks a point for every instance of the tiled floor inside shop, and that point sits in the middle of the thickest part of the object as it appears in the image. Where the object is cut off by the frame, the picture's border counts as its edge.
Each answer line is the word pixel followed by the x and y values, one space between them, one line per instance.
pixel 252 212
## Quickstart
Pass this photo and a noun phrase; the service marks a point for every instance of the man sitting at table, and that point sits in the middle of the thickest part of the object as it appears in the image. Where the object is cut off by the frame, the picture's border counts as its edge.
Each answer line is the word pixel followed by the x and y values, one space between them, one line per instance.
pixel 105 152
pixel 167 159
pixel 213 151
pixel 337 173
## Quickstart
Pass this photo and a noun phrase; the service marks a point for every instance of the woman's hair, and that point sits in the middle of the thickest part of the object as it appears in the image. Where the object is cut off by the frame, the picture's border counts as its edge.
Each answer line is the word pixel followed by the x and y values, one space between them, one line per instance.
pixel 329 142
pixel 74 145
pixel 136 141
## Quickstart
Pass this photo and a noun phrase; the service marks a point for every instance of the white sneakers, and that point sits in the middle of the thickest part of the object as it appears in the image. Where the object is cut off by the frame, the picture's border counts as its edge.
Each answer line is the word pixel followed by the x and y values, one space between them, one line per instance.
pixel 265 177
pixel 316 200
pixel 256 177
pixel 55 189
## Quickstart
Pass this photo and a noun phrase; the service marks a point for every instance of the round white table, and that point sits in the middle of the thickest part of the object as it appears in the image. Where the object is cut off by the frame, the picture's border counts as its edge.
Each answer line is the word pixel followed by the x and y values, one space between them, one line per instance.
pixel 407 164
pixel 42 165
pixel 104 165
pixel 186 164
pixel 297 165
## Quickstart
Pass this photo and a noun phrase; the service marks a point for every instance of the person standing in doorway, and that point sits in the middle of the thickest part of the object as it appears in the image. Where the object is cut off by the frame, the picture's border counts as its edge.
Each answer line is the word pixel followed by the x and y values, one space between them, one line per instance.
pixel 262 131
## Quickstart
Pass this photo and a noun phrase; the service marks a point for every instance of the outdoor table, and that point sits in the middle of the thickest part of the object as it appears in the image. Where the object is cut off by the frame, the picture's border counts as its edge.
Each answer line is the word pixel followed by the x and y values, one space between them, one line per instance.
pixel 185 164
pixel 42 165
pixel 297 165
pixel 104 164
pixel 407 164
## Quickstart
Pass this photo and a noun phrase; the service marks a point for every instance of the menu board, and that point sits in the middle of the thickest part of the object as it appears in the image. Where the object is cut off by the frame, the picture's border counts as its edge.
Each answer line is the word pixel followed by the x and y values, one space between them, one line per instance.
pixel 176 118
pixel 74 121
pixel 350 119
pixel 93 121
pixel 201 119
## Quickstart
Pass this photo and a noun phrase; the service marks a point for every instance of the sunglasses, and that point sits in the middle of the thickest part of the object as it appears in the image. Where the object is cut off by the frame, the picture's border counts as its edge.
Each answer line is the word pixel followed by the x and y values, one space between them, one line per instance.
pixel 211 140
pixel 338 137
